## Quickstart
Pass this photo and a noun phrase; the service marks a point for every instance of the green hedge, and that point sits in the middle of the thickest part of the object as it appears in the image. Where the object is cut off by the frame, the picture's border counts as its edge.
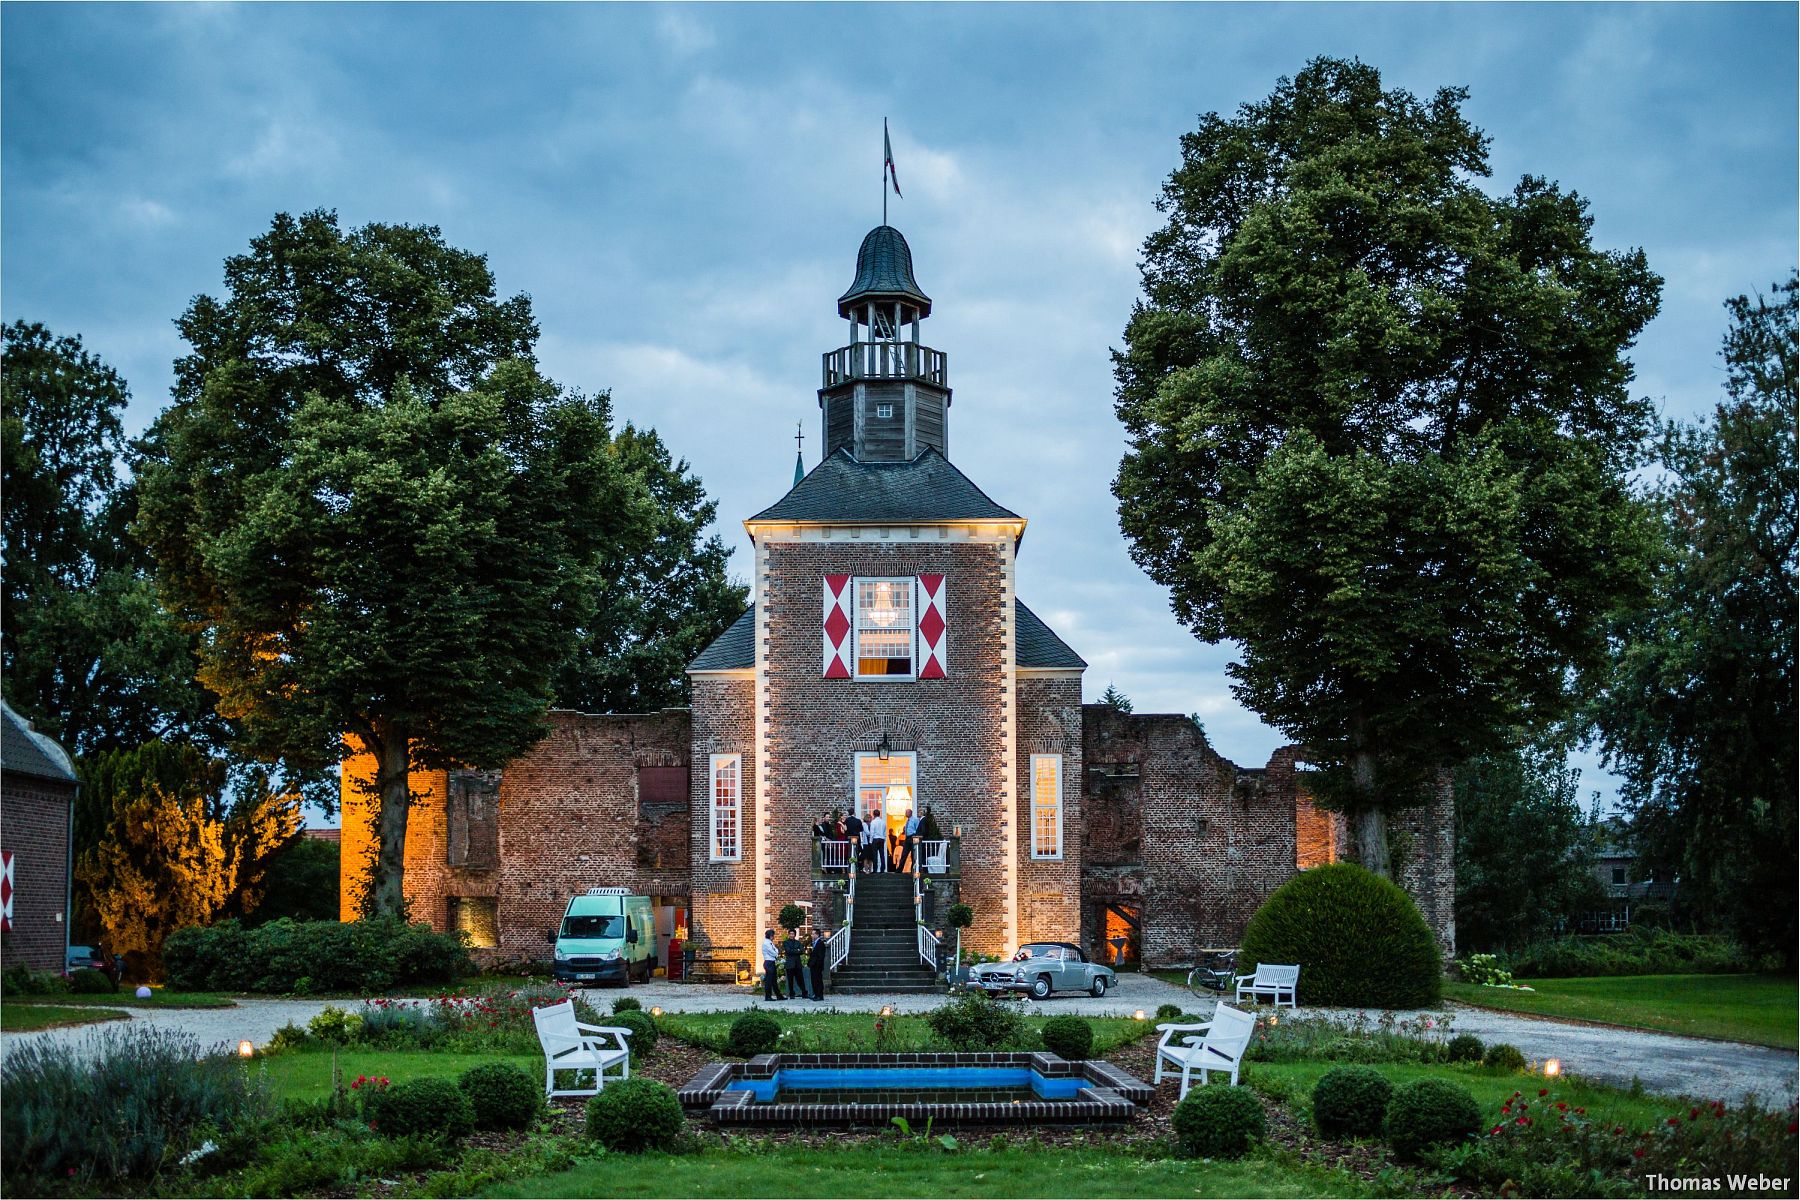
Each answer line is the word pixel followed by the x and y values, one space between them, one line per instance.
pixel 1359 940
pixel 313 956
pixel 1638 951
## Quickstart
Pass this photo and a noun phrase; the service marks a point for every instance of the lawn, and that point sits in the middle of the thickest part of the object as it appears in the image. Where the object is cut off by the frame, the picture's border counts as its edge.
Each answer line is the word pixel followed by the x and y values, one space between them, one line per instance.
pixel 824 1032
pixel 22 1018
pixel 1759 1009
pixel 1491 1088
pixel 159 998
pixel 927 1170
pixel 307 1076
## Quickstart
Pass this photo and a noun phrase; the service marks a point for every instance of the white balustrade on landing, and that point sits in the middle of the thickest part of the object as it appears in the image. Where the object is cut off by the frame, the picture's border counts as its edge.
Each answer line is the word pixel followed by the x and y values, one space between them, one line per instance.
pixel 834 855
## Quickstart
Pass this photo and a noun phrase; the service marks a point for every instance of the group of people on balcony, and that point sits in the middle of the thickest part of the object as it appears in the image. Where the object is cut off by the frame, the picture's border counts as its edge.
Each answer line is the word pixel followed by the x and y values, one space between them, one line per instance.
pixel 870 846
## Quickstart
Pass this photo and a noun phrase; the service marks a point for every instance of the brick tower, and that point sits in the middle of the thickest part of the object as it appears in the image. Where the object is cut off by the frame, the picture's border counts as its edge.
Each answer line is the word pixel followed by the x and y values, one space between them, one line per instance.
pixel 886 662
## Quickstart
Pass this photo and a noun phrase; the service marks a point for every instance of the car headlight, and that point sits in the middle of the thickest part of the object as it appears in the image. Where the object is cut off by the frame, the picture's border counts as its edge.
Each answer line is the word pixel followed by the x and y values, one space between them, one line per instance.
pixel 609 956
pixel 1019 975
pixel 559 956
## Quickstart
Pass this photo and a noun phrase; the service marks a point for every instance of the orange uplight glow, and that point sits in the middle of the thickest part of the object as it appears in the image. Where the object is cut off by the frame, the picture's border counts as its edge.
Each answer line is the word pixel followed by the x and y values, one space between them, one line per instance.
pixel 1553 1067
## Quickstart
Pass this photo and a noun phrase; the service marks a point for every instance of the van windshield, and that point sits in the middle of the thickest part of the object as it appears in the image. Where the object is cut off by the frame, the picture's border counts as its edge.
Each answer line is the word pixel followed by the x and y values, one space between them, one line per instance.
pixel 594 927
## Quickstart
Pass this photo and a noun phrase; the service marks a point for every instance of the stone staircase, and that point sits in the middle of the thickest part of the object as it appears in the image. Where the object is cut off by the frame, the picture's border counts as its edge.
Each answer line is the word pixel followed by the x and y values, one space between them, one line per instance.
pixel 884 940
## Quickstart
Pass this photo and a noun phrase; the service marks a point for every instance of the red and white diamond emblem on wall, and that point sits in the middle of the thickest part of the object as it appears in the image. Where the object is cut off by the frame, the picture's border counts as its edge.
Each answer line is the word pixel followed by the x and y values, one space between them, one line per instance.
pixel 837 627
pixel 6 889
pixel 932 643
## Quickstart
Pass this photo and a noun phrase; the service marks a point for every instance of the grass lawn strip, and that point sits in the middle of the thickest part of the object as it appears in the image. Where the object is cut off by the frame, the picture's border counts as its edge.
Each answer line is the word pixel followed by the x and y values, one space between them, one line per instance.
pixel 159 998
pixel 307 1076
pixel 24 1018
pixel 925 1170
pixel 1758 1009
pixel 827 1032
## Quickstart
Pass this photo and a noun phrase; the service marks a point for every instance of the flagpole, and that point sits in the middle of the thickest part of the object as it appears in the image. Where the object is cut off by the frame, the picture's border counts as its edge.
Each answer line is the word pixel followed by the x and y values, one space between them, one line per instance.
pixel 884 143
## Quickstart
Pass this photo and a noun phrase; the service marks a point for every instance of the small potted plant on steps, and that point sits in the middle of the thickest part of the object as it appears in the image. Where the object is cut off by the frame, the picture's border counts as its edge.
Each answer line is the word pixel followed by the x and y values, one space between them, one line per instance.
pixel 959 917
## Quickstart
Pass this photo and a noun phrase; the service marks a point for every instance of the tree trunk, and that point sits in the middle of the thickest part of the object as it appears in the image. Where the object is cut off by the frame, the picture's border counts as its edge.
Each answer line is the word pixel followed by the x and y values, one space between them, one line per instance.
pixel 392 782
pixel 1368 819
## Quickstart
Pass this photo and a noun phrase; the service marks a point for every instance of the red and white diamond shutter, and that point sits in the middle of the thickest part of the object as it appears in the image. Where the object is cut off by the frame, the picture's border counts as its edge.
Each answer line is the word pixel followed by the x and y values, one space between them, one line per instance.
pixel 6 889
pixel 837 627
pixel 932 627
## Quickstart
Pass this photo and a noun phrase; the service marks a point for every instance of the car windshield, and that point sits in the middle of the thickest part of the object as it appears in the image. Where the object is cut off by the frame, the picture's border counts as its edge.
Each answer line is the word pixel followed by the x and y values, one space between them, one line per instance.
pixel 1026 952
pixel 593 926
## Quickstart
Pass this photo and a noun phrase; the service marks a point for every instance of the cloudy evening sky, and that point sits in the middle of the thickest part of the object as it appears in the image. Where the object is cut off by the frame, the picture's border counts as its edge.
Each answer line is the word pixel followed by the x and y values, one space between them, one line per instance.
pixel 681 191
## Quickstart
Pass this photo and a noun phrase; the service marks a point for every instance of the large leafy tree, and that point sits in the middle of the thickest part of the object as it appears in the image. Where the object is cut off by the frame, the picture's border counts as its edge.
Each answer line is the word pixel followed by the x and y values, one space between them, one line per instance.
pixel 88 654
pixel 1524 851
pixel 662 599
pixel 1379 428
pixel 1700 715
pixel 384 522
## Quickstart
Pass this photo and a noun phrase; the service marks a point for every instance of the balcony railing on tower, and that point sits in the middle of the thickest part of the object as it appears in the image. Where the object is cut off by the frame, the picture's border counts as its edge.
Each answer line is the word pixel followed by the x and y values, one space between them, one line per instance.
pixel 884 360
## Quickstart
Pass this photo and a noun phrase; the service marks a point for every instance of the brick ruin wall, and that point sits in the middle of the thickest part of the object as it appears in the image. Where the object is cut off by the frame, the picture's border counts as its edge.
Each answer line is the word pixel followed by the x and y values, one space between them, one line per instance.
pixel 1194 844
pixel 1049 722
pixel 34 829
pixel 569 817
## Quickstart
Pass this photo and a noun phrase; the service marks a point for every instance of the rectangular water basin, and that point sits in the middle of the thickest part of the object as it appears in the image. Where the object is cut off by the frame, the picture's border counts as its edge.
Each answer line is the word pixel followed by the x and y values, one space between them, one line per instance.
pixel 872 1089
pixel 907 1085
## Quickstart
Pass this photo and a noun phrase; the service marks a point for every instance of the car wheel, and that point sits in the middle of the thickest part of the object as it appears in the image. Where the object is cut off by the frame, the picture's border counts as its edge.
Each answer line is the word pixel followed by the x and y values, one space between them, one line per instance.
pixel 1098 991
pixel 1040 988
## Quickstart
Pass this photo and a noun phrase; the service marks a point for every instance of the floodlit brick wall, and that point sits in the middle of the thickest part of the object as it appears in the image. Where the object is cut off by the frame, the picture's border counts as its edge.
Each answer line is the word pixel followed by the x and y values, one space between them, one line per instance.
pixel 1199 842
pixel 955 724
pixel 569 820
pixel 34 828
pixel 1049 722
pixel 723 897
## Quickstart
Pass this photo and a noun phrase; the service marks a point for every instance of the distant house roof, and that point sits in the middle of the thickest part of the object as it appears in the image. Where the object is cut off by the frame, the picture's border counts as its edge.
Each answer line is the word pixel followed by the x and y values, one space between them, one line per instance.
pixel 733 650
pixel 1038 644
pixel 25 751
pixel 323 835
pixel 844 490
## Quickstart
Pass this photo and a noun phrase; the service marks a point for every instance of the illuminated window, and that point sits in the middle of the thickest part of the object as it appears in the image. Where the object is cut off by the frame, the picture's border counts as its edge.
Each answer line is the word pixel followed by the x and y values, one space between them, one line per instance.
pixel 477 916
pixel 874 778
pixel 727 807
pixel 1046 806
pixel 884 628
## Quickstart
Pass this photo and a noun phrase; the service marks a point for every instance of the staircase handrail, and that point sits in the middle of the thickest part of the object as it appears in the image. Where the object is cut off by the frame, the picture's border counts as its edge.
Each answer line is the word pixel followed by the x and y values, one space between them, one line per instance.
pixel 837 946
pixel 928 941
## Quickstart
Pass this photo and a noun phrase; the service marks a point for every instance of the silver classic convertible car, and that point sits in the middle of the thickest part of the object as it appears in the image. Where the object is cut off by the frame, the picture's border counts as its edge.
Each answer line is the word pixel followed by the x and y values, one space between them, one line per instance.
pixel 1044 967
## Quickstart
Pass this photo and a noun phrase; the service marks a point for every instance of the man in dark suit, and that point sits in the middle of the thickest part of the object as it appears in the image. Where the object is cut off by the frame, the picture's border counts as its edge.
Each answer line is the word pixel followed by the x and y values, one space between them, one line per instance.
pixel 853 828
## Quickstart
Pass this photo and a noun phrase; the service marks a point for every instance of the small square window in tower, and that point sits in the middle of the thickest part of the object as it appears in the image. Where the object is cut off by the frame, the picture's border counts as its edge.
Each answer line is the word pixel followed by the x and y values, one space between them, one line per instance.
pixel 884 411
pixel 884 628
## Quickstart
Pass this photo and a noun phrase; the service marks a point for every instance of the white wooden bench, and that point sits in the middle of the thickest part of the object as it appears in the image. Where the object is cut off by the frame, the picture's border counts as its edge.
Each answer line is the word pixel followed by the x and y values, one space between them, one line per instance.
pixel 1274 980
pixel 1222 1047
pixel 570 1045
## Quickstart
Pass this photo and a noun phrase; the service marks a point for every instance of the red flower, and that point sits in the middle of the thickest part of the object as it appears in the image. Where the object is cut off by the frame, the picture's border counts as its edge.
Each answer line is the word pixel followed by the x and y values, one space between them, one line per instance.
pixel 1561 1107
pixel 1638 1153
pixel 1522 1121
pixel 1793 1128
pixel 1693 1114
pixel 1582 1111
pixel 1543 1091
pixel 1505 1109
pixel 1495 1129
pixel 1618 1130
pixel 1673 1121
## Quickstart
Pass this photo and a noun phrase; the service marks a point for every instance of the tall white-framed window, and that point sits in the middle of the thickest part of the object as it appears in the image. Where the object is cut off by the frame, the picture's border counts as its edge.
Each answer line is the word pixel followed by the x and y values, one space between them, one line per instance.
pixel 726 776
pixel 1046 806
pixel 873 779
pixel 885 622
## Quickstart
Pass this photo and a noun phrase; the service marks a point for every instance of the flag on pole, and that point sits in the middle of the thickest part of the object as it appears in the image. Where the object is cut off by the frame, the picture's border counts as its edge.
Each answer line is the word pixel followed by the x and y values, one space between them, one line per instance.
pixel 887 159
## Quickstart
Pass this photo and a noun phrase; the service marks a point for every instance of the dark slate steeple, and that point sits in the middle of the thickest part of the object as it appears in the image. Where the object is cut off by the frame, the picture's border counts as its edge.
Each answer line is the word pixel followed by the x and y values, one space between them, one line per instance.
pixel 884 397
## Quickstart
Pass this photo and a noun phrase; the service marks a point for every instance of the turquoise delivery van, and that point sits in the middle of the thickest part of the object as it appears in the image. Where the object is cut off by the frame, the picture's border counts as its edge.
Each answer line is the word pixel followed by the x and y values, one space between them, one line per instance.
pixel 607 936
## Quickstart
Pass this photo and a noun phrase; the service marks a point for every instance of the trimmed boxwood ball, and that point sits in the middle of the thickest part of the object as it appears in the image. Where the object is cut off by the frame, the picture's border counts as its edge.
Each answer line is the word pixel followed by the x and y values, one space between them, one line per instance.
pixel 427 1107
pixel 752 1034
pixel 1218 1122
pixel 1168 1012
pixel 635 1115
pixel 1430 1112
pixel 1358 938
pixel 628 1004
pixel 1070 1037
pixel 1351 1101
pixel 643 1030
pixel 1464 1047
pixel 501 1096
pixel 85 981
pixel 1504 1056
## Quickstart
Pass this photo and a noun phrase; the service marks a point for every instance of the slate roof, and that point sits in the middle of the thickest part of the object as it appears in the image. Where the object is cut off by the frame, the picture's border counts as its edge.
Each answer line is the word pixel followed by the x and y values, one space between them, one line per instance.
pixel 843 490
pixel 884 269
pixel 733 650
pixel 1038 644
pixel 27 752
